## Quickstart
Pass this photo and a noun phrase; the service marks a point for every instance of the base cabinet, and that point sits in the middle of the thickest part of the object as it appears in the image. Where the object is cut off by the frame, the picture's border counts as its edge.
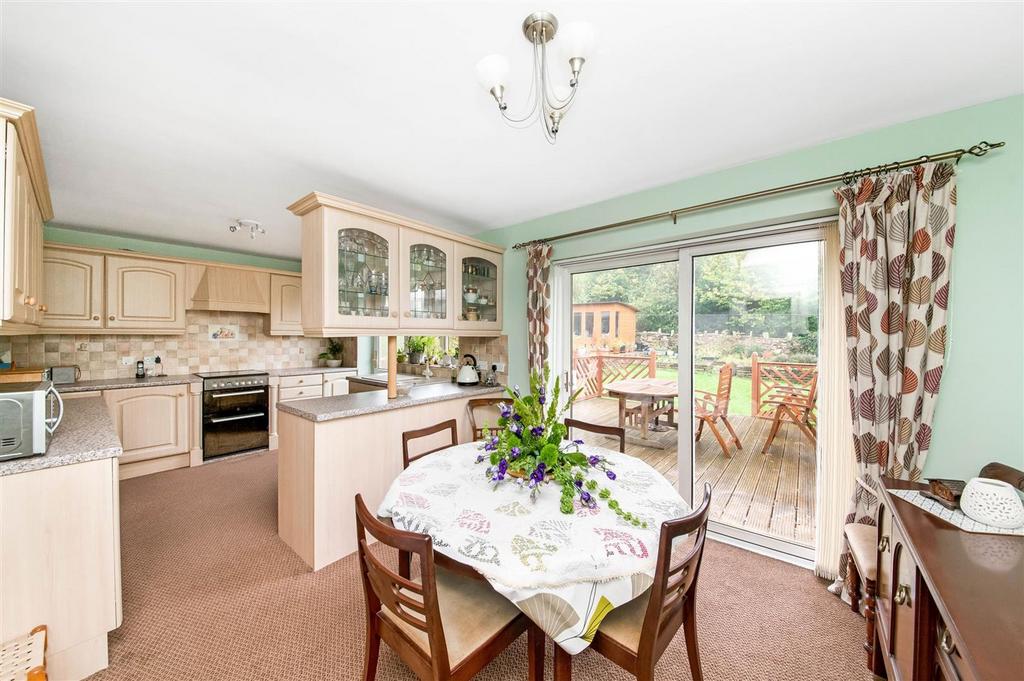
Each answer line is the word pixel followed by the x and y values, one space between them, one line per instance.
pixel 153 425
pixel 60 562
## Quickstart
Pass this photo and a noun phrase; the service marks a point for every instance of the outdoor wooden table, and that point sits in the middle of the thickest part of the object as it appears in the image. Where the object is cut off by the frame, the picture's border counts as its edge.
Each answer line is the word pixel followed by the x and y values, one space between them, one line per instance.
pixel 650 393
pixel 566 572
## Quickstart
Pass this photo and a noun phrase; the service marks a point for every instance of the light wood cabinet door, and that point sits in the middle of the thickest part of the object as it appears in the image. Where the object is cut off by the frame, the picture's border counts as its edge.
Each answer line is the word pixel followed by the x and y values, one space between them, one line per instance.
pixel 335 386
pixel 426 293
pixel 145 294
pixel 479 291
pixel 151 422
pixel 285 317
pixel 73 282
pixel 23 237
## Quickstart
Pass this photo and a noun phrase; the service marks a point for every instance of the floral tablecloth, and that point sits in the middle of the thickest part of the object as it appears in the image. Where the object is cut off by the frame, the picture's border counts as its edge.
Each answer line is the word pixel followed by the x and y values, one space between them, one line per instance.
pixel 565 571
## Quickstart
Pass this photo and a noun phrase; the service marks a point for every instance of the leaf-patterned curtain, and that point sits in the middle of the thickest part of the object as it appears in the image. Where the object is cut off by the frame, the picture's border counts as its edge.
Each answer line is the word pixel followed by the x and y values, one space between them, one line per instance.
pixel 538 304
pixel 898 234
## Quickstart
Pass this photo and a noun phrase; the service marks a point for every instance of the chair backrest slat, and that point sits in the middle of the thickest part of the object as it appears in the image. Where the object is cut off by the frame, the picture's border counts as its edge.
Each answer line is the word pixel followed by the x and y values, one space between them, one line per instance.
pixel 482 403
pixel 611 431
pixel 413 603
pixel 411 435
pixel 724 388
pixel 675 580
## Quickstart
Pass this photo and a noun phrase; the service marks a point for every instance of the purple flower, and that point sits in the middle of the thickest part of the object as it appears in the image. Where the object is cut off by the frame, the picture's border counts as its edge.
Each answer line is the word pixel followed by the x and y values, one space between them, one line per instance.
pixel 577 442
pixel 480 458
pixel 594 460
pixel 610 474
pixel 491 444
pixel 517 417
pixel 585 496
pixel 505 410
pixel 537 431
pixel 541 399
pixel 515 452
pixel 579 483
pixel 516 429
pixel 502 466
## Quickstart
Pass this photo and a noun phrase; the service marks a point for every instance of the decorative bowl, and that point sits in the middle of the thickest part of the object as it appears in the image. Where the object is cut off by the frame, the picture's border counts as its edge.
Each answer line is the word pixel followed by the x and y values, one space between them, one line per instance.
pixel 992 502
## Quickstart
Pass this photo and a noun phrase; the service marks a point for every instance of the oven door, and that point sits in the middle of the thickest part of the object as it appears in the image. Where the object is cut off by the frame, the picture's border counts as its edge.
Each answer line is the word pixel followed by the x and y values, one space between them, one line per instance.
pixel 235 420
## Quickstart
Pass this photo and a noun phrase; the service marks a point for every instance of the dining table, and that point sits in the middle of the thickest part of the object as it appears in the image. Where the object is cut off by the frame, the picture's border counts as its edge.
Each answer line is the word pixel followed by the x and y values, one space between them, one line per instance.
pixel 565 571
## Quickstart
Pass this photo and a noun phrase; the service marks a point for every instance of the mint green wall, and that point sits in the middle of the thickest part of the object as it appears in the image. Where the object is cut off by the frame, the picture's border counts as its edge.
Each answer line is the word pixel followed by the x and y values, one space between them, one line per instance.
pixel 981 407
pixel 77 237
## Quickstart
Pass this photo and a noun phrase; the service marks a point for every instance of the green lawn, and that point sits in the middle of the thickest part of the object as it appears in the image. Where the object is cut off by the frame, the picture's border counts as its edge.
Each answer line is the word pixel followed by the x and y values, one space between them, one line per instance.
pixel 739 399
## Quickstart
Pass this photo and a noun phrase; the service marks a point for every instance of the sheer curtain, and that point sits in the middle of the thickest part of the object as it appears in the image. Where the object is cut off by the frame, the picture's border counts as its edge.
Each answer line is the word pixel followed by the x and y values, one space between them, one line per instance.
pixel 837 463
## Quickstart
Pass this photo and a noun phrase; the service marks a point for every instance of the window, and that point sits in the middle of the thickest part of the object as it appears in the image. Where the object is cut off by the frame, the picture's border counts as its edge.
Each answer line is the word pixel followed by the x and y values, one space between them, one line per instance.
pixel 606 323
pixel 590 324
pixel 577 323
pixel 616 323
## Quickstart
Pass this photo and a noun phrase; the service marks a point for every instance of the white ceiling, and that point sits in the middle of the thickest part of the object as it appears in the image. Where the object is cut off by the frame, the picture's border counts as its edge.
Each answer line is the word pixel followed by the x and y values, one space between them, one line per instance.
pixel 168 121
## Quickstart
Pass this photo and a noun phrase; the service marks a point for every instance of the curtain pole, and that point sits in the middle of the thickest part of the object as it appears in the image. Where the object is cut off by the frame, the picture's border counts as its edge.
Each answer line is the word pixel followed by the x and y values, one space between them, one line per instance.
pixel 979 149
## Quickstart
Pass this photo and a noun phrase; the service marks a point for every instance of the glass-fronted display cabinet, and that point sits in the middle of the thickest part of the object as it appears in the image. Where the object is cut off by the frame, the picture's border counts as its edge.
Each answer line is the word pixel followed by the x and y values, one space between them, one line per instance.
pixel 427 280
pixel 479 288
pixel 365 274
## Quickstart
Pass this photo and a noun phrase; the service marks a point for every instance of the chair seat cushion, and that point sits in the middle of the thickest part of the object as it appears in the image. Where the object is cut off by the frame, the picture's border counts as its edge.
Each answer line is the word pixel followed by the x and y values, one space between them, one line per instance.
pixel 863 541
pixel 471 613
pixel 623 624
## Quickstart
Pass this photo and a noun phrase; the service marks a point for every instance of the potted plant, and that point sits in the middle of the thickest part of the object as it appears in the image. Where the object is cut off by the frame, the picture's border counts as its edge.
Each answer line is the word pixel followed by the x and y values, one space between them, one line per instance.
pixel 332 356
pixel 415 345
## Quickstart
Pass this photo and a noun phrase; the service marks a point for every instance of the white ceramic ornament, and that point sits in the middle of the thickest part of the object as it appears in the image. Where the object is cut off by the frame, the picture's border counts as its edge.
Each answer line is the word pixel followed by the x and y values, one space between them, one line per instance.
pixel 992 502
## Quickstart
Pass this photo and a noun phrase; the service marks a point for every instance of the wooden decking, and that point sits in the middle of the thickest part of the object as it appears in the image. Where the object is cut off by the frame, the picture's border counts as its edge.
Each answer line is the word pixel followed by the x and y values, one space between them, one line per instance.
pixel 772 494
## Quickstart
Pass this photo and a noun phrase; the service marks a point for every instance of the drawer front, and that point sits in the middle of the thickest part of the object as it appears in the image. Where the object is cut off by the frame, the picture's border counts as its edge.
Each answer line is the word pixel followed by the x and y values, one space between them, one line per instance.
pixel 301 392
pixel 304 380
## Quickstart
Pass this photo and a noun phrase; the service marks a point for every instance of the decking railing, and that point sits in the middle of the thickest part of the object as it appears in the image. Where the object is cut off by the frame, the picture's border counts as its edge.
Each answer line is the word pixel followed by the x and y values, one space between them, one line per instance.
pixel 769 380
pixel 594 370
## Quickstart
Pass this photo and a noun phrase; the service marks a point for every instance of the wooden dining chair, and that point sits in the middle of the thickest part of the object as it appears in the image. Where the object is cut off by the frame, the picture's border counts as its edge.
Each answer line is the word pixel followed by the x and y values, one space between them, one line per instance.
pixel 797 406
pixel 635 635
pixel 709 408
pixel 442 626
pixel 482 403
pixel 410 435
pixel 610 431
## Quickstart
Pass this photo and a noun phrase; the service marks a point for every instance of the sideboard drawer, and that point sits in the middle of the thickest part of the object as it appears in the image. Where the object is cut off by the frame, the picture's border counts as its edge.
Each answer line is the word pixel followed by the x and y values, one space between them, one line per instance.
pixel 949 666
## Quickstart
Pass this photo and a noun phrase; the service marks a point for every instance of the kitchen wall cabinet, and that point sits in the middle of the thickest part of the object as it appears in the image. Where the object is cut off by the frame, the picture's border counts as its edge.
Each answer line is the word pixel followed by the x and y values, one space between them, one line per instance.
pixel 153 425
pixel 23 298
pixel 479 272
pixel 285 318
pixel 145 294
pixel 369 272
pixel 73 281
pixel 427 280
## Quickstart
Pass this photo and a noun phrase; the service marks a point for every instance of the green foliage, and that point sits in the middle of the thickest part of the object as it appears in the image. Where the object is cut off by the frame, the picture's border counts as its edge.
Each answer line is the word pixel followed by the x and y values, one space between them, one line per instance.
pixel 334 349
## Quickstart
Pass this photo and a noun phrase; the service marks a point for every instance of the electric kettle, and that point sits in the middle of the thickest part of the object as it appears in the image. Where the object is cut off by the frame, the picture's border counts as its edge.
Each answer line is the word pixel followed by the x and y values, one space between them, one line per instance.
pixel 468 374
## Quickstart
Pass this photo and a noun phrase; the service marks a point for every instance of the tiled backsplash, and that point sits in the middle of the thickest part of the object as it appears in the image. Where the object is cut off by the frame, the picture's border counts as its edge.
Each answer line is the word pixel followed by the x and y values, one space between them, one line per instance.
pixel 100 356
pixel 487 351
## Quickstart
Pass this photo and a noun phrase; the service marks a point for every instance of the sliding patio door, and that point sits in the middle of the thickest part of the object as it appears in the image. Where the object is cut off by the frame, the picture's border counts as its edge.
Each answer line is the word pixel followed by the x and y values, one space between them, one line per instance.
pixel 749 374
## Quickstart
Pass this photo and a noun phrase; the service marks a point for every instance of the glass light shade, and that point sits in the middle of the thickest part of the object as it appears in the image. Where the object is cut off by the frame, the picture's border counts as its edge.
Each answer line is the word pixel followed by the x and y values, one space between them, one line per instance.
pixel 491 70
pixel 577 39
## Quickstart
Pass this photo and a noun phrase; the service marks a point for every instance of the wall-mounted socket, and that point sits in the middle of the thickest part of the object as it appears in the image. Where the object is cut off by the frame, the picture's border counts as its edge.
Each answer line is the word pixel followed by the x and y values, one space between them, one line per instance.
pixel 149 360
pixel 500 367
pixel 127 361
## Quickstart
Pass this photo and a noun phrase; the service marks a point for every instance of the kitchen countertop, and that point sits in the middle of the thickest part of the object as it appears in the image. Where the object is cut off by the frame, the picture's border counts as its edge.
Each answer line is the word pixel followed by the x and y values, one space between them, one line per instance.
pixel 359 404
pixel 86 433
pixel 178 379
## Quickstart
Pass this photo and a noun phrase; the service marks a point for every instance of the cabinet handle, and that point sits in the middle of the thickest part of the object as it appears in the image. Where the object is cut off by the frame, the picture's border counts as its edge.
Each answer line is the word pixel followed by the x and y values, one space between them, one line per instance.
pixel 95 317
pixel 43 308
pixel 111 317
pixel 31 300
pixel 902 596
pixel 395 313
pixel 408 314
pixel 883 544
pixel 946 644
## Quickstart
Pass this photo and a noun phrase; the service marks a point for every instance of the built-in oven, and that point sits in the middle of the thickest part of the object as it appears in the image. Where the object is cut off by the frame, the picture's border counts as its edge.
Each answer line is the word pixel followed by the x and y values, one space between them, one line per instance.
pixel 236 412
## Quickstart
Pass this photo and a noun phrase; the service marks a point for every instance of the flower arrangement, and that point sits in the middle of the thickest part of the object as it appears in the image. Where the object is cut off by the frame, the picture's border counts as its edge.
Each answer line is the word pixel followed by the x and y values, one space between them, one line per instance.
pixel 529 446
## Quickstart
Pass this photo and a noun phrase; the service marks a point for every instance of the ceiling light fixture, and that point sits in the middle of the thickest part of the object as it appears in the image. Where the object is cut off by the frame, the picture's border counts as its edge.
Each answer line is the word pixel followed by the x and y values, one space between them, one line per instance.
pixel 251 226
pixel 546 103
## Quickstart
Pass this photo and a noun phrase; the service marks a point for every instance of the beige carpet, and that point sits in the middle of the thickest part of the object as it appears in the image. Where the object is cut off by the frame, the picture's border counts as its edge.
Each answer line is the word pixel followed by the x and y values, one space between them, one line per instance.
pixel 210 592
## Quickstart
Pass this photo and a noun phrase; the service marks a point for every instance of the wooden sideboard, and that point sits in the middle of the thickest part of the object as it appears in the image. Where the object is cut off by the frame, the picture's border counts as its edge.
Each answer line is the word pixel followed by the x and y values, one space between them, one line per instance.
pixel 950 604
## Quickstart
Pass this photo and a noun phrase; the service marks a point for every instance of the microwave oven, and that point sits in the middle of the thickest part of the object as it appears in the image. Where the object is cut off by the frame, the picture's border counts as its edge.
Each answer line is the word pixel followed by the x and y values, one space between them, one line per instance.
pixel 29 414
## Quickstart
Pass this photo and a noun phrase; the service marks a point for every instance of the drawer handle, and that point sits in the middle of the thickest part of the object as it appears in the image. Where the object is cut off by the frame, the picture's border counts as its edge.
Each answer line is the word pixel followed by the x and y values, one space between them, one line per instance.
pixel 946 644
pixel 883 544
pixel 95 317
pixel 902 596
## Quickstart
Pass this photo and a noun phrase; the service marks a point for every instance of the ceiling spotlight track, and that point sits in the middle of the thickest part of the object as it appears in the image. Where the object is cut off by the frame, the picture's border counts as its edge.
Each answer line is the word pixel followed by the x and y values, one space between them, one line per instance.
pixel 546 102
pixel 253 227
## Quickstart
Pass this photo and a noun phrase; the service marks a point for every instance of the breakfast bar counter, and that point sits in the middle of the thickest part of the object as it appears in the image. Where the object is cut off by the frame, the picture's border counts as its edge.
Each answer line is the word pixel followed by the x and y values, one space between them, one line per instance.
pixel 332 448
